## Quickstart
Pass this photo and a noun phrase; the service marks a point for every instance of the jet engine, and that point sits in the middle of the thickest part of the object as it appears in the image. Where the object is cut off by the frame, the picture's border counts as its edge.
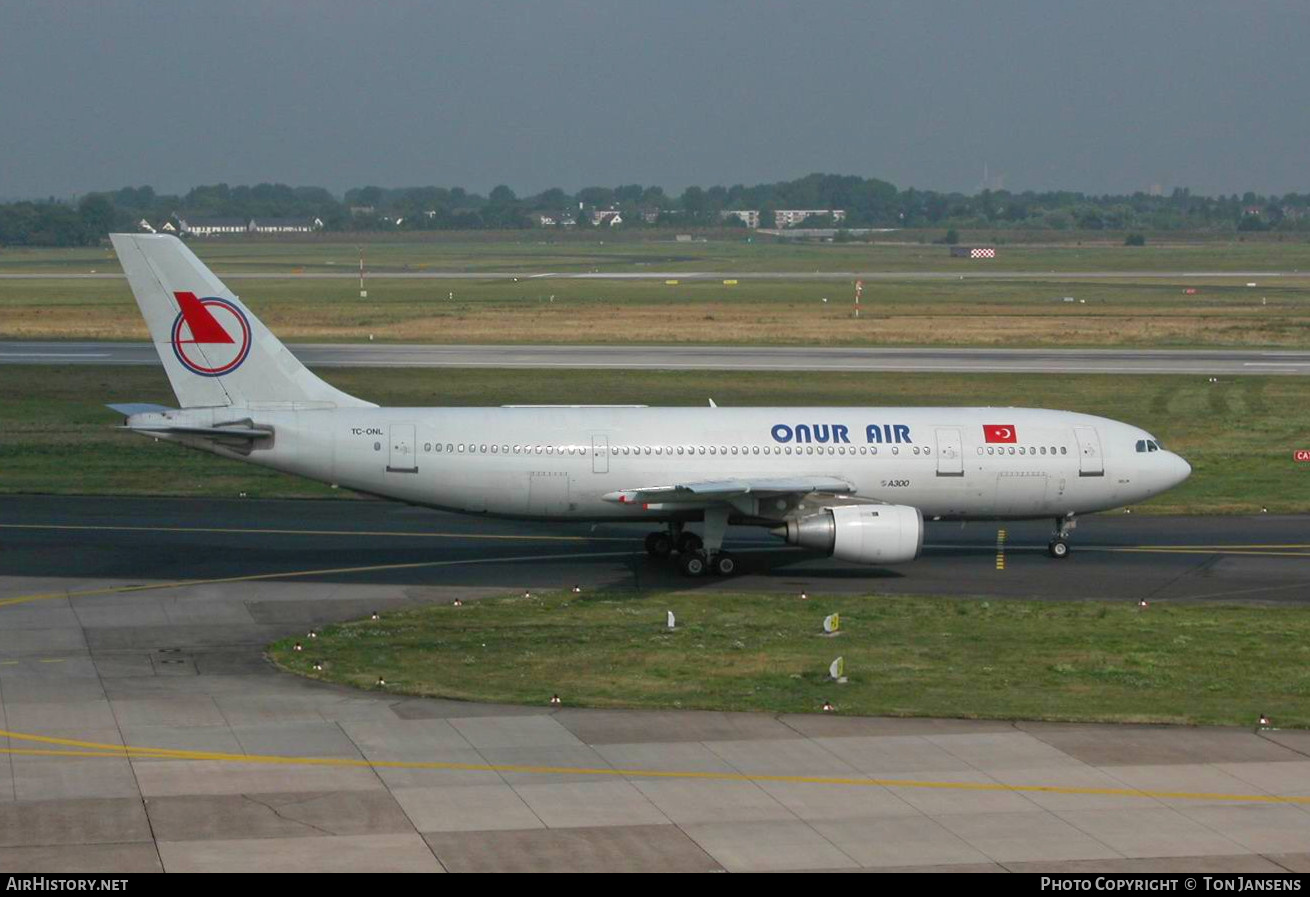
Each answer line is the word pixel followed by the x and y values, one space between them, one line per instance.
pixel 863 534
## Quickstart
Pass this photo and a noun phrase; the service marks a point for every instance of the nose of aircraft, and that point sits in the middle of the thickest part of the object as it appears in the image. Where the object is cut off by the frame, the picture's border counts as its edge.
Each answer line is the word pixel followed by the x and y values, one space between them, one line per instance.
pixel 1178 470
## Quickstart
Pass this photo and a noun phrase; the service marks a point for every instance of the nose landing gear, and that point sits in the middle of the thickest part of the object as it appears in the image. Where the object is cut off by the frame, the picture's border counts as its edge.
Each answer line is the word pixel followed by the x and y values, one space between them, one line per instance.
pixel 1058 547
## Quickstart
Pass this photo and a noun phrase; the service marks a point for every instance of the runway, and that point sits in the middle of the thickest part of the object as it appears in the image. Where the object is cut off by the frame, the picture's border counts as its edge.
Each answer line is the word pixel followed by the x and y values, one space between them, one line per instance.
pixel 975 272
pixel 140 728
pixel 1225 363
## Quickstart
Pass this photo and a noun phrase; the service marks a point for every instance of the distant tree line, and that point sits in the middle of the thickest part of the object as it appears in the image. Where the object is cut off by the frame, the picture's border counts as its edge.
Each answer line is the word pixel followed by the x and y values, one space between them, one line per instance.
pixel 867 202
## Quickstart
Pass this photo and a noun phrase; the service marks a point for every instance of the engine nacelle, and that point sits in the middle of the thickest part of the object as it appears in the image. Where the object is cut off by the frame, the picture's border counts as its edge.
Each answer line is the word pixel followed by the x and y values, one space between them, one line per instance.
pixel 863 534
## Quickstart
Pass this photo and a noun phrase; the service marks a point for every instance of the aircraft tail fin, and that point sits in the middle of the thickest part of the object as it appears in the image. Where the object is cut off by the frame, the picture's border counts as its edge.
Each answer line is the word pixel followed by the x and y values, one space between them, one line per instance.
pixel 214 350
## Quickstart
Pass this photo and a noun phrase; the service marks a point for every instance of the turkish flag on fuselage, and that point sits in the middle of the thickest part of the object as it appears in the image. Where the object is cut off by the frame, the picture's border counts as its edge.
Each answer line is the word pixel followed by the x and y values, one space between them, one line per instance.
pixel 999 433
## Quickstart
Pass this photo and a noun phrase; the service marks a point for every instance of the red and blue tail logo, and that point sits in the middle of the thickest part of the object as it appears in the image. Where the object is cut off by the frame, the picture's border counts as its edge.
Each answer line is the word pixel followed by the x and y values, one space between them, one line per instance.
pixel 211 336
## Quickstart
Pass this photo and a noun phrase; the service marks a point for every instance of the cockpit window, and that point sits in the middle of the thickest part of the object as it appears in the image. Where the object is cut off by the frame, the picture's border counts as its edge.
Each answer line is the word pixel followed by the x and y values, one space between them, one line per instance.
pixel 1149 445
pixel 1141 445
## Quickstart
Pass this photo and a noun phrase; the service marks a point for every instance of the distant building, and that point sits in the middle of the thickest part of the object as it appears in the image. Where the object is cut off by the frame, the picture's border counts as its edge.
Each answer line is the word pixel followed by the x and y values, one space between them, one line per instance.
pixel 146 226
pixel 749 217
pixel 606 216
pixel 286 225
pixel 650 215
pixel 209 227
pixel 792 217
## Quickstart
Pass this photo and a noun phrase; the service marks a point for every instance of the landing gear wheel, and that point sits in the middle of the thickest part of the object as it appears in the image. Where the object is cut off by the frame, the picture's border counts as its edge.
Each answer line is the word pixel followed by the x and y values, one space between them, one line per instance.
pixel 659 545
pixel 689 543
pixel 1058 548
pixel 723 564
pixel 692 564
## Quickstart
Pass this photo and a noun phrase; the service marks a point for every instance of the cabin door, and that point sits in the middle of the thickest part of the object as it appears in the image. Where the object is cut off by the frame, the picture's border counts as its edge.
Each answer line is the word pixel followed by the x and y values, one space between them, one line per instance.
pixel 403 457
pixel 1090 462
pixel 950 453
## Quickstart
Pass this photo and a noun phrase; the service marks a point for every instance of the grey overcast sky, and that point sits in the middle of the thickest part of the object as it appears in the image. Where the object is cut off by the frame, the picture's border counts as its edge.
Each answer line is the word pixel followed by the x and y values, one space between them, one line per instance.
pixel 1103 96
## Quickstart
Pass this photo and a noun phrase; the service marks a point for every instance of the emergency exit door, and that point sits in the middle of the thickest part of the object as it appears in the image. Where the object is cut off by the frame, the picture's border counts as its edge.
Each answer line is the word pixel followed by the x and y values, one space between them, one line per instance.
pixel 402 458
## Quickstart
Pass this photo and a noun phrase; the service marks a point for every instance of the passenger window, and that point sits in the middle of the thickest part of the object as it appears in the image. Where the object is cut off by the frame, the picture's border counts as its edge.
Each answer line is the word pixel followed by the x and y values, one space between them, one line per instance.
pixel 1064 450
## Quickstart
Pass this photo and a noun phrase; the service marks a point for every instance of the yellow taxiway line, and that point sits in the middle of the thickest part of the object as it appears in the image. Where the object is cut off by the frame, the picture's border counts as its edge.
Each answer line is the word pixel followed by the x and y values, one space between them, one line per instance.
pixel 90 749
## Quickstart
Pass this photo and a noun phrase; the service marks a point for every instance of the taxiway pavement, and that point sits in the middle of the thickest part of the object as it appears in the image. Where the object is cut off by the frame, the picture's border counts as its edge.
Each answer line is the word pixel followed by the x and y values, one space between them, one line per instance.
pixel 1226 363
pixel 141 729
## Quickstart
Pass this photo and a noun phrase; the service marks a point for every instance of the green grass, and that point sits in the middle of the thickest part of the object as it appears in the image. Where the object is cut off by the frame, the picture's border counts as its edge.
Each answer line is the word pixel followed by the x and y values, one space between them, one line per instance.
pixel 911 656
pixel 987 309
pixel 1239 434
pixel 995 312
pixel 733 250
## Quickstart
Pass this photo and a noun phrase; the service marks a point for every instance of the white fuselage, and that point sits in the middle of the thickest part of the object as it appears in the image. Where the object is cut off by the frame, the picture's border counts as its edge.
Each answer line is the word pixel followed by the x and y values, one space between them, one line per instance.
pixel 562 462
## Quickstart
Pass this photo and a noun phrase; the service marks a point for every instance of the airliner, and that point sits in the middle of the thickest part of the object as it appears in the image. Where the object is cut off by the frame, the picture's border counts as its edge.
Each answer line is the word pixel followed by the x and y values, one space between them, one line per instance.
pixel 853 483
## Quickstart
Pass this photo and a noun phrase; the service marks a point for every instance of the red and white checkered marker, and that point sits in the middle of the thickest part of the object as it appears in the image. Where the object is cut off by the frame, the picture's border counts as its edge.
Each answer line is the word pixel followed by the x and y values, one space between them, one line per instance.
pixel 982 253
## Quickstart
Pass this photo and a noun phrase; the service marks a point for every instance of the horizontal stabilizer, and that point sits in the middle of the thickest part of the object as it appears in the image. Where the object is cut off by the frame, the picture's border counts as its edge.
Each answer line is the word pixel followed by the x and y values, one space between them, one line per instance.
pixel 131 408
pixel 240 432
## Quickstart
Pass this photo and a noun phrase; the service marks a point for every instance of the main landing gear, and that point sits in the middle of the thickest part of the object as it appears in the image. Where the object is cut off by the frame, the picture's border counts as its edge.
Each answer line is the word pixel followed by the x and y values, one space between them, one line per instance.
pixel 1058 547
pixel 696 556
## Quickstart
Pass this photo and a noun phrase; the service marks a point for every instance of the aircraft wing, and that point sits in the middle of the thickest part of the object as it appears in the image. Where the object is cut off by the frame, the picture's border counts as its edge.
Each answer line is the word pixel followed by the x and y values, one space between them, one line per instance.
pixel 722 490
